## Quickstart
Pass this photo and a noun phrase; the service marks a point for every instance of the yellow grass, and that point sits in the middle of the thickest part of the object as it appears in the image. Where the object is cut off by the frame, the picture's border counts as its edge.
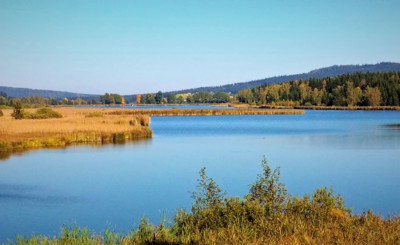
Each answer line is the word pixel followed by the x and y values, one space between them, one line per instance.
pixel 75 127
pixel 96 126
pixel 204 112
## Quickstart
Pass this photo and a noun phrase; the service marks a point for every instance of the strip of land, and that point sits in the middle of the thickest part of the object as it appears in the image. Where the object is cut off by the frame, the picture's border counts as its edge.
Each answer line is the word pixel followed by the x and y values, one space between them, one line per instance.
pixel 313 107
pixel 95 126
pixel 77 126
pixel 206 112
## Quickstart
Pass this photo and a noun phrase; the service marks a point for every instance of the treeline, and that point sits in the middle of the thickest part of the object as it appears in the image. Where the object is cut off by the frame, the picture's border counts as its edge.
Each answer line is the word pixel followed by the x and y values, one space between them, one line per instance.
pixel 38 101
pixel 359 89
pixel 198 98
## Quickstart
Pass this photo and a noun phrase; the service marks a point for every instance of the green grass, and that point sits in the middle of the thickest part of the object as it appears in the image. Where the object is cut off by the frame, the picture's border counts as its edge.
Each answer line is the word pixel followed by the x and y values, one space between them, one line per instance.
pixel 266 215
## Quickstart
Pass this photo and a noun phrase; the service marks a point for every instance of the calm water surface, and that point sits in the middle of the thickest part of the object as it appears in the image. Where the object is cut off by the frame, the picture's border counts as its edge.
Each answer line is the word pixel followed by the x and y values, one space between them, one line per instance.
pixel 115 185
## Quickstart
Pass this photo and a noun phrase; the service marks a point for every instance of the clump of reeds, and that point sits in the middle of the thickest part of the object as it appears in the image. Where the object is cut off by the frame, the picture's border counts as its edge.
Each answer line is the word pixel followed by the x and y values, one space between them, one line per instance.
pixel 266 215
pixel 95 114
pixel 1 113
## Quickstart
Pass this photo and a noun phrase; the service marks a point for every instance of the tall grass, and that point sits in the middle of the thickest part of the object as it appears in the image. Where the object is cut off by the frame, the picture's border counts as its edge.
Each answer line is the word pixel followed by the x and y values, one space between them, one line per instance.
pixel 204 112
pixel 266 215
pixel 73 127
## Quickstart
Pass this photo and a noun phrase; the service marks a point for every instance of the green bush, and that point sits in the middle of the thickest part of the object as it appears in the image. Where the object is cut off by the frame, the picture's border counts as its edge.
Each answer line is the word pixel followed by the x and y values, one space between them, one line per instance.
pixel 42 113
pixel 18 111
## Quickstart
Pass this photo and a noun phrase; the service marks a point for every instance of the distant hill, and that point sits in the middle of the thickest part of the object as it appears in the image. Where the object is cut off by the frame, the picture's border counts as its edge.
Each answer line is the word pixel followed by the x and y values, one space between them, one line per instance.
pixel 331 71
pixel 26 92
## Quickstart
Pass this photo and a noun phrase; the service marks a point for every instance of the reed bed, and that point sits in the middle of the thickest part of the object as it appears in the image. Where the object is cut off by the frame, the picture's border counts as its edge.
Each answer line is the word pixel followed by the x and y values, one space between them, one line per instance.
pixel 76 126
pixel 341 108
pixel 204 112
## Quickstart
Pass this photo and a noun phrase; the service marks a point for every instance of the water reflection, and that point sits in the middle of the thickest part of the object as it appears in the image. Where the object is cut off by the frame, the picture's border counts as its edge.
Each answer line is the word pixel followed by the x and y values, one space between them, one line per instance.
pixel 6 155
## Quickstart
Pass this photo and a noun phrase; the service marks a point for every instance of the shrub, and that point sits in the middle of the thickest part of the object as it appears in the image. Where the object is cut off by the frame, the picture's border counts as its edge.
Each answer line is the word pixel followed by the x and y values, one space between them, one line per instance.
pixel 42 113
pixel 268 191
pixel 1 113
pixel 18 112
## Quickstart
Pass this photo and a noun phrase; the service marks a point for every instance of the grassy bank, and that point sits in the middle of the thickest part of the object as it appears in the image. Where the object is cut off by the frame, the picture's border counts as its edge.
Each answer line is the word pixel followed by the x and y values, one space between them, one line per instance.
pixel 266 215
pixel 76 126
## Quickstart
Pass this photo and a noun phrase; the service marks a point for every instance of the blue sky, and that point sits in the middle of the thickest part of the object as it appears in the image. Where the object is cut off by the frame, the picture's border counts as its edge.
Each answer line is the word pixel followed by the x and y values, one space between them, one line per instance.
pixel 144 46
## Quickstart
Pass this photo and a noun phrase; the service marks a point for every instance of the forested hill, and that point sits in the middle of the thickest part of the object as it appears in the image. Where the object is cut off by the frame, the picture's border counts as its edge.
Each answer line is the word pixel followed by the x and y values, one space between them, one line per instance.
pixel 359 89
pixel 331 71
pixel 26 92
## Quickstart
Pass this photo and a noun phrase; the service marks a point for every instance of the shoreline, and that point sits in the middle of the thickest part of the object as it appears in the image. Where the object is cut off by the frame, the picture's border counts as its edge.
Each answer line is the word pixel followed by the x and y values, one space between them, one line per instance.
pixel 327 108
pixel 75 127
pixel 95 126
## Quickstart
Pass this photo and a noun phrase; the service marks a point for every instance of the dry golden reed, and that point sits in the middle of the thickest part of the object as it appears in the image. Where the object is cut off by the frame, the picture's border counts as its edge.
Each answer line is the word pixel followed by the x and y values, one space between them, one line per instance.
pixel 76 126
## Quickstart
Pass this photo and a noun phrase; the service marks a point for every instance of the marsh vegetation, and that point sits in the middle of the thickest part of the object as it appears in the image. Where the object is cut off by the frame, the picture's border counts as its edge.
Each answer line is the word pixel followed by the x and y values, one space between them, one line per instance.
pixel 59 127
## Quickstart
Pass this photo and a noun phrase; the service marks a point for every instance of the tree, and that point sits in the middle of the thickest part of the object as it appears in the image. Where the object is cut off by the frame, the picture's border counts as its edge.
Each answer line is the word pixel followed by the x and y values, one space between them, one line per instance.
pixel 373 96
pixel 180 99
pixel 209 194
pixel 158 97
pixel 3 100
pixel 316 97
pixel 268 191
pixel 203 97
pixel 171 99
pixel 189 98
pixel 18 112
pixel 245 96
pixel 117 99
pixel 221 97
pixel 353 95
pixel 148 99
pixel 272 93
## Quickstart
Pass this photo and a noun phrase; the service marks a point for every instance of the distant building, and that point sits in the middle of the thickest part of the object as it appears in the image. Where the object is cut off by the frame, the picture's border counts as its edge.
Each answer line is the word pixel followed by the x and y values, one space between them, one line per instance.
pixel 138 99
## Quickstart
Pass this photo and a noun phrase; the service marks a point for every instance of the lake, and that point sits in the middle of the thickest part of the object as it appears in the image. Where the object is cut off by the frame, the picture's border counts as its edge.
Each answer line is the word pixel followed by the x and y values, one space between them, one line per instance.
pixel 114 186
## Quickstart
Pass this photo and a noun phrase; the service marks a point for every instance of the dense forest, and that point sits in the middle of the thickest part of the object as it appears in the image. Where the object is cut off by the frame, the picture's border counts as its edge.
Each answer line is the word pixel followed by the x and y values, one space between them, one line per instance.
pixel 330 71
pixel 359 89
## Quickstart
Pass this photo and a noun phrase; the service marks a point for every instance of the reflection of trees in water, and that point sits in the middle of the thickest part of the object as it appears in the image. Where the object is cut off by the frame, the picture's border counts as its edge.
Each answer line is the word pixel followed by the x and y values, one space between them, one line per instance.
pixel 7 154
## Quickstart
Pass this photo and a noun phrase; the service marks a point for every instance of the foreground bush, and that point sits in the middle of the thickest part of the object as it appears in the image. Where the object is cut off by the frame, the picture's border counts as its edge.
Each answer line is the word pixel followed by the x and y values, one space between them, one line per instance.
pixel 267 215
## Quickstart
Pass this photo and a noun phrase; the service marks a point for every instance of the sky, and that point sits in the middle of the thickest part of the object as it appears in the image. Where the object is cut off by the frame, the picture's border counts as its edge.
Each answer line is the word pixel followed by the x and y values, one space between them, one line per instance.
pixel 131 47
